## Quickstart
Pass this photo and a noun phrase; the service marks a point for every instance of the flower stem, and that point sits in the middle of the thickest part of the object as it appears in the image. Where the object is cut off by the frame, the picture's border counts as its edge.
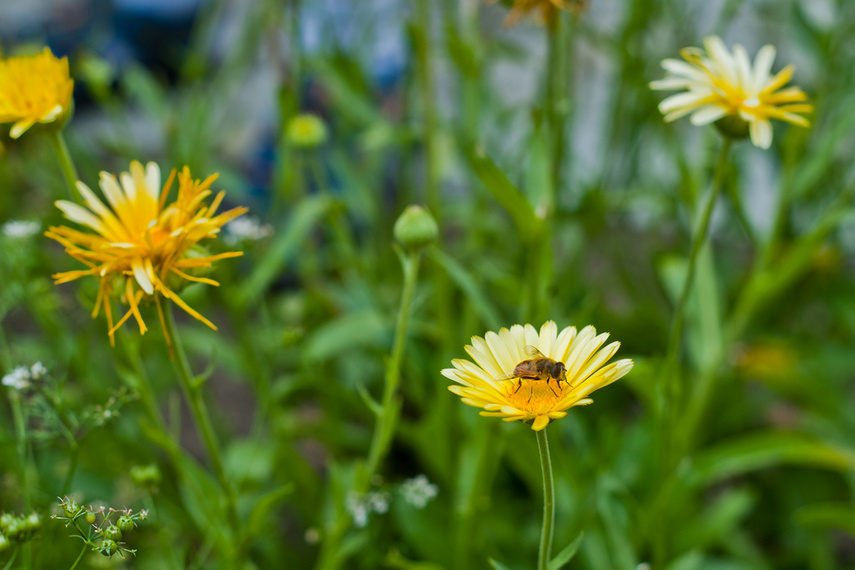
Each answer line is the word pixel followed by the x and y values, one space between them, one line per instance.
pixel 425 78
pixel 388 417
pixel 66 164
pixel 192 391
pixel 545 551
pixel 79 556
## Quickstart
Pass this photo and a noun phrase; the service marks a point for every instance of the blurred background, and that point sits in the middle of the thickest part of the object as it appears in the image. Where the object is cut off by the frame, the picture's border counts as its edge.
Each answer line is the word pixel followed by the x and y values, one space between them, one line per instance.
pixel 411 94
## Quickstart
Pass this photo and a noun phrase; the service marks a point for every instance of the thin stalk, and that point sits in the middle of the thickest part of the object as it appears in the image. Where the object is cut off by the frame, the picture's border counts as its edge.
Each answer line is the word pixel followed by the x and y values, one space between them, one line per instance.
pixel 192 391
pixel 544 553
pixel 556 104
pixel 699 235
pixel 21 445
pixel 66 164
pixel 72 468
pixel 385 426
pixel 337 219
pixel 79 556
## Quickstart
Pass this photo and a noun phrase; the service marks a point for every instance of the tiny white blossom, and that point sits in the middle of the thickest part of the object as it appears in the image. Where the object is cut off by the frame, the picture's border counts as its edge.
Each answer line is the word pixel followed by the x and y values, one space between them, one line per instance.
pixel 379 502
pixel 419 491
pixel 37 370
pixel 19 378
pixel 358 509
pixel 247 228
pixel 21 228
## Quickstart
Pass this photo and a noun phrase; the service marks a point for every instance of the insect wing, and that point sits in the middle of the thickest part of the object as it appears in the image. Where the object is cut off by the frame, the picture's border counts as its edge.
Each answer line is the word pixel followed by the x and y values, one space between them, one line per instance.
pixel 532 351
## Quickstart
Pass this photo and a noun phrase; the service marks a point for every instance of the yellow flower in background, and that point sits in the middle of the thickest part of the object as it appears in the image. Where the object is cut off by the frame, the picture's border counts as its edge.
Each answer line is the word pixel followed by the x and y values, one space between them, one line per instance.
pixel 34 89
pixel 493 382
pixel 142 247
pixel 548 9
pixel 721 85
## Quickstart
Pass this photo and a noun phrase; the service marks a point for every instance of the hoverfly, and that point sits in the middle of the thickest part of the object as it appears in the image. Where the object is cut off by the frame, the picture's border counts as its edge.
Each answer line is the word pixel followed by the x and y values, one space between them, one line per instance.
pixel 538 368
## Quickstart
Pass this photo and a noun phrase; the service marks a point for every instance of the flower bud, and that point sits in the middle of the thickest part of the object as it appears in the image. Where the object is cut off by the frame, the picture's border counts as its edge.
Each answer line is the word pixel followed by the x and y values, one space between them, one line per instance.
pixel 125 523
pixel 145 475
pixel 112 532
pixel 6 520
pixel 108 547
pixel 4 543
pixel 33 522
pixel 90 517
pixel 71 508
pixel 307 131
pixel 416 228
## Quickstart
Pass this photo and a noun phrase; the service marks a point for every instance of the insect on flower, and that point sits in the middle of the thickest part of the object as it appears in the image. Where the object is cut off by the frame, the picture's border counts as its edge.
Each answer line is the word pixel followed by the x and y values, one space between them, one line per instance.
pixel 540 368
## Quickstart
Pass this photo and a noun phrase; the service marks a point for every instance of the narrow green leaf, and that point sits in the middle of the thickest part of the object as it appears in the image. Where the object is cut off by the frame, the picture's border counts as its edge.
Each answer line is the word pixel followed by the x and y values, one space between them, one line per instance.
pixel 496 565
pixel 474 294
pixel 505 193
pixel 260 511
pixel 372 404
pixel 567 554
pixel 763 450
pixel 283 247
pixel 366 328
pixel 828 516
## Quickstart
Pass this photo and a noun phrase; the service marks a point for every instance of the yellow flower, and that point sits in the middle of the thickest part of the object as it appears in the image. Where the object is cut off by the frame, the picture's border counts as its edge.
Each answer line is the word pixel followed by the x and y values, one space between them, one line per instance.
pixel 721 85
pixel 489 382
pixel 34 89
pixel 142 247
pixel 548 9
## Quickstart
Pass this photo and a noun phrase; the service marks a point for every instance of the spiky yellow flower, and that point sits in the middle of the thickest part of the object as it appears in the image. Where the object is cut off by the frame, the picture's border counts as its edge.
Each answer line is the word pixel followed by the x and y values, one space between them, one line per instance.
pixel 142 247
pixel 492 384
pixel 720 86
pixel 34 89
pixel 548 9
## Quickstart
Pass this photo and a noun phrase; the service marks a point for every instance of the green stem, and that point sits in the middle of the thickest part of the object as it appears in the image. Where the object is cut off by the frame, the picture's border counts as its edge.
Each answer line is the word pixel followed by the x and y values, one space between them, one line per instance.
pixel 66 164
pixel 8 565
pixel 192 391
pixel 385 426
pixel 79 556
pixel 545 551
pixel 72 468
pixel 556 103
pixel 21 445
pixel 699 235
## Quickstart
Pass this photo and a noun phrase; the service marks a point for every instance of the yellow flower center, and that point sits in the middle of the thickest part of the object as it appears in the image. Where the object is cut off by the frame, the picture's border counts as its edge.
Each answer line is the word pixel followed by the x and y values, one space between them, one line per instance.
pixel 535 396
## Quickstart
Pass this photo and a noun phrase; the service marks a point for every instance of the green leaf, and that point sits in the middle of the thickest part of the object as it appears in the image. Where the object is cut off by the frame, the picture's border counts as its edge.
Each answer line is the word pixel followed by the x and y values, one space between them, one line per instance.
pixel 505 193
pixel 496 565
pixel 366 328
pixel 284 246
pixel 567 554
pixel 763 450
pixel 828 516
pixel 474 294
pixel 260 511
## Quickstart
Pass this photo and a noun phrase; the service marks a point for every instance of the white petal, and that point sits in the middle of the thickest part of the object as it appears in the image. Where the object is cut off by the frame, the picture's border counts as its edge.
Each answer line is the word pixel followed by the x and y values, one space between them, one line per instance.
pixel 707 114
pixel 81 215
pixel 762 67
pixel 687 70
pixel 721 58
pixel 743 67
pixel 761 133
pixel 152 179
pixel 142 277
pixel 681 100
pixel 546 341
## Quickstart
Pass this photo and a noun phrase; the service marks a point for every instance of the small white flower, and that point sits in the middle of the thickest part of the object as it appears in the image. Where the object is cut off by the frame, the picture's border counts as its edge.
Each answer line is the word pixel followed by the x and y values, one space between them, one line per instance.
pixel 247 228
pixel 358 509
pixel 19 378
pixel 419 491
pixel 37 370
pixel 21 228
pixel 379 502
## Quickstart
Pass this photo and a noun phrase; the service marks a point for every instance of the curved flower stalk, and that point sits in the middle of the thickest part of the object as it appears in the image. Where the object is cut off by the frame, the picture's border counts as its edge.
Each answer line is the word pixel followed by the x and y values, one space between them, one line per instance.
pixel 725 87
pixel 489 383
pixel 139 246
pixel 34 89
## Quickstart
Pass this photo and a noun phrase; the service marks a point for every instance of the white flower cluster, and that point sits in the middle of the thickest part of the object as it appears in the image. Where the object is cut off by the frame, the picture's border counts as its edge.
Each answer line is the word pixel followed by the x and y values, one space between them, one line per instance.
pixel 246 228
pixel 20 228
pixel 20 377
pixel 360 506
pixel 419 491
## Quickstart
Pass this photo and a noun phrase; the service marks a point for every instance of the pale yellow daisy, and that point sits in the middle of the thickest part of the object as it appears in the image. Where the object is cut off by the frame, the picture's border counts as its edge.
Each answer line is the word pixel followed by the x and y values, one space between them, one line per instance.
pixel 720 85
pixel 489 382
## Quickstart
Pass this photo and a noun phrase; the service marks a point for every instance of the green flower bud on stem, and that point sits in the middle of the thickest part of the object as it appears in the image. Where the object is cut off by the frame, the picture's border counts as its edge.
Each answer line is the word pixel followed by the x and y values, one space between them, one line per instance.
pixel 307 131
pixel 125 523
pixel 112 532
pixel 416 228
pixel 108 547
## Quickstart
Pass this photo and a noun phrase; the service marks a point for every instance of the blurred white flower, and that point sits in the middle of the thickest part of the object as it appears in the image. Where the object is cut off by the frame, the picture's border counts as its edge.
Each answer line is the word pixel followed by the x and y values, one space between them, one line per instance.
pixel 247 228
pixel 419 491
pixel 19 378
pixel 21 228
